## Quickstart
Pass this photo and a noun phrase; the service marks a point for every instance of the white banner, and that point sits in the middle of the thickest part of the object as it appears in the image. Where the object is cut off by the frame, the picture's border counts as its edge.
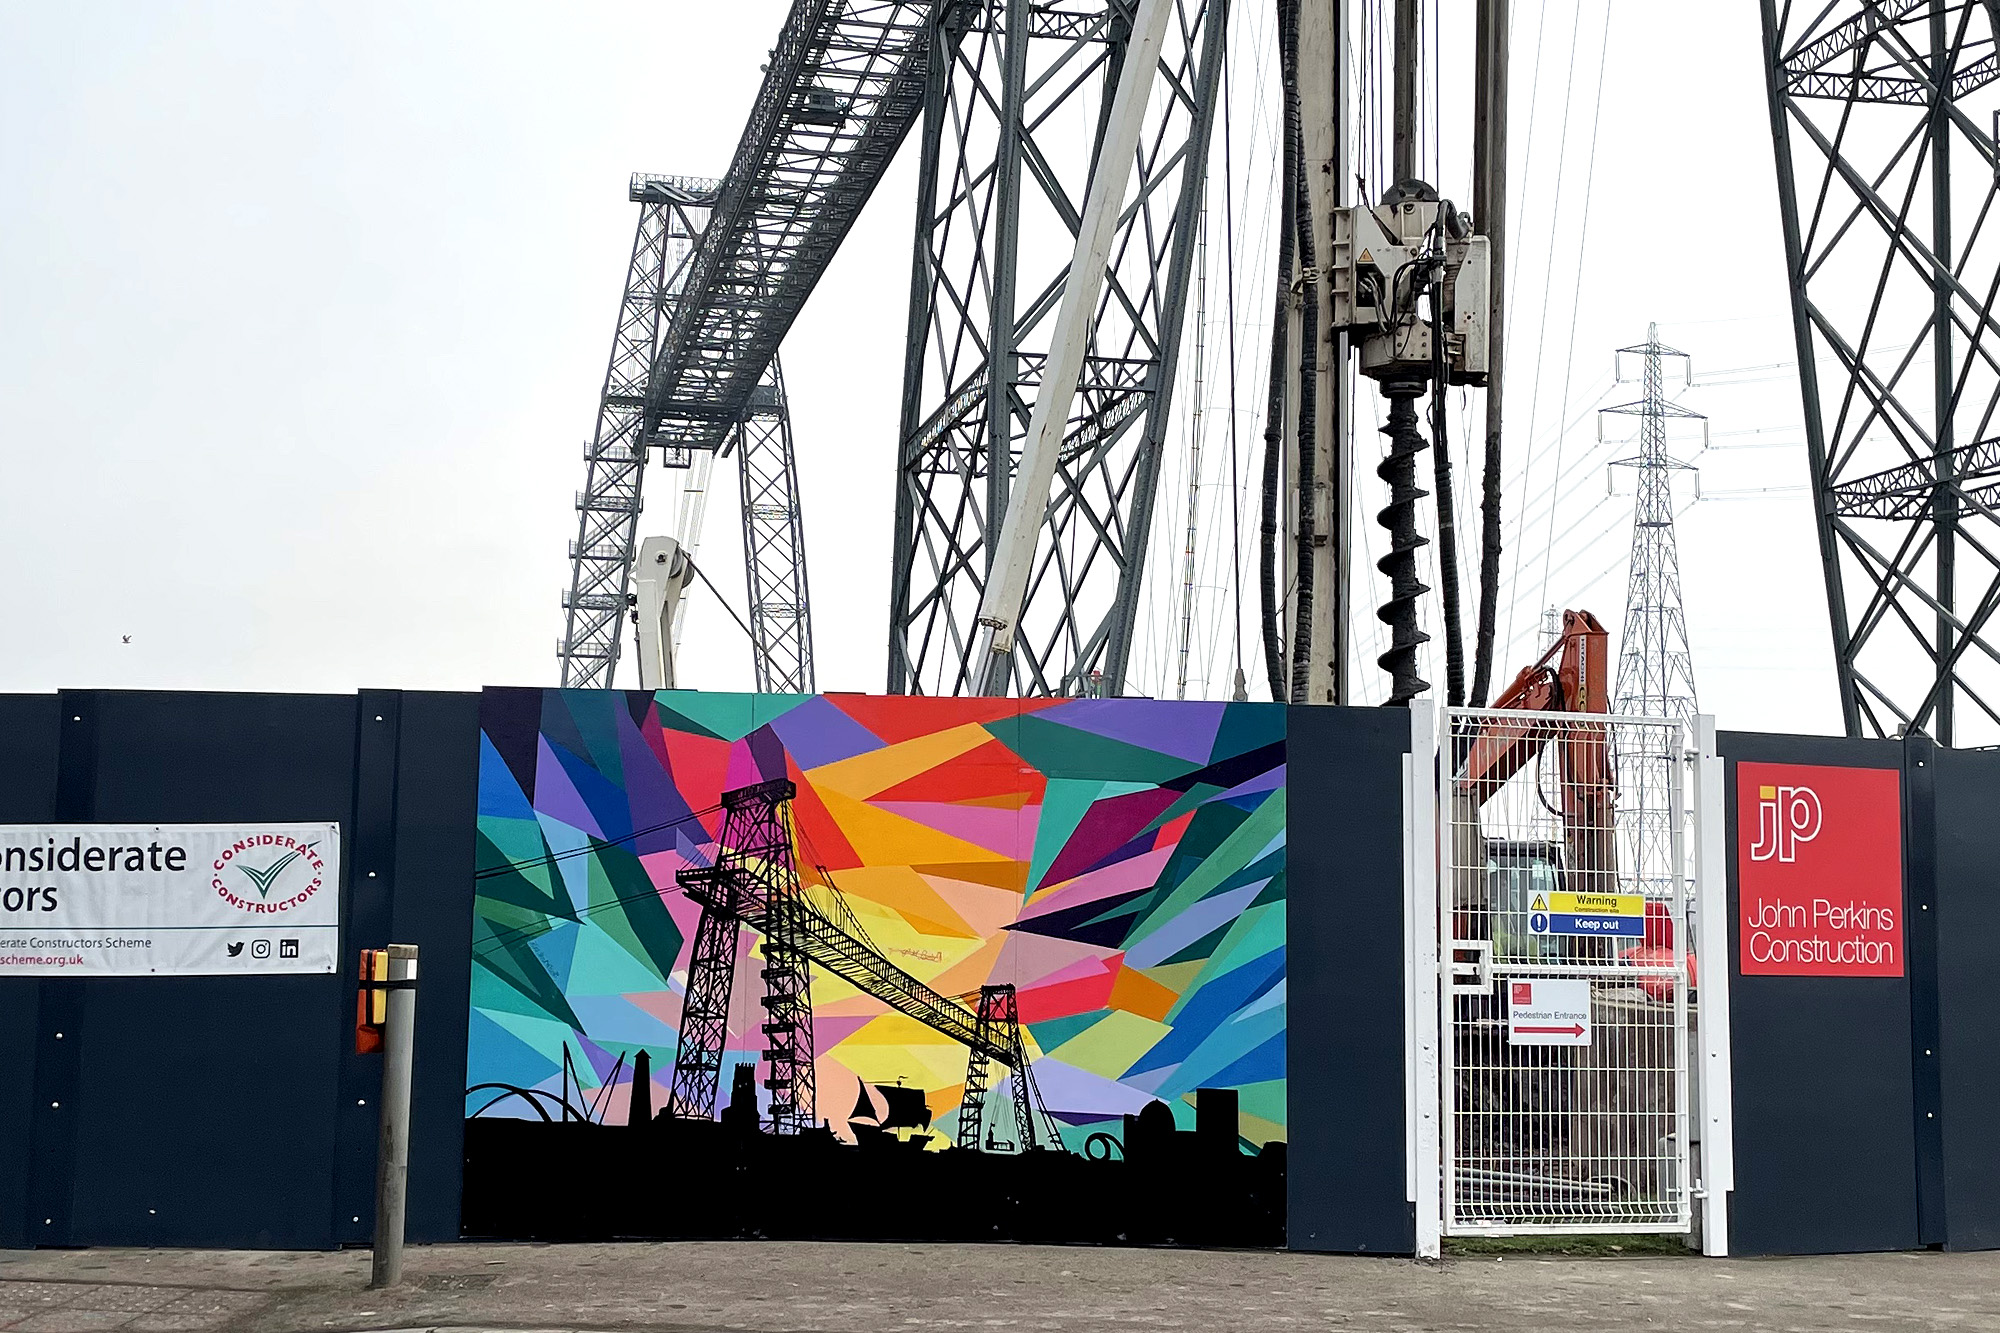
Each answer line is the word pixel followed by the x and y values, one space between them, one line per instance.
pixel 168 899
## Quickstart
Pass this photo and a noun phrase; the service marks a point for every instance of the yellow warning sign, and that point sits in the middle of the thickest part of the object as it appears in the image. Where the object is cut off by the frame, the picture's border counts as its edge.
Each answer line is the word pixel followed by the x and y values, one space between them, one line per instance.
pixel 1539 905
pixel 1595 904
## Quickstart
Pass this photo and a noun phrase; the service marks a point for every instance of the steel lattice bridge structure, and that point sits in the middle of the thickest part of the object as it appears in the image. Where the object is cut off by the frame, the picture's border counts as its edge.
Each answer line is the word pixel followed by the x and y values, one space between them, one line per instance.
pixel 755 883
pixel 1883 113
pixel 720 270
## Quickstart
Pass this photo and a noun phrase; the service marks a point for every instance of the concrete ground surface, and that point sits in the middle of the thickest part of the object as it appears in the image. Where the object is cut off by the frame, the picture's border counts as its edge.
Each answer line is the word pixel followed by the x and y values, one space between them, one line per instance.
pixel 851 1288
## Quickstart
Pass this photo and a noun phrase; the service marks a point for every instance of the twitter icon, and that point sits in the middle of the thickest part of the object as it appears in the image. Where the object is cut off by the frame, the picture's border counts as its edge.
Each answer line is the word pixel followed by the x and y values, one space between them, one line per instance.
pixel 236 948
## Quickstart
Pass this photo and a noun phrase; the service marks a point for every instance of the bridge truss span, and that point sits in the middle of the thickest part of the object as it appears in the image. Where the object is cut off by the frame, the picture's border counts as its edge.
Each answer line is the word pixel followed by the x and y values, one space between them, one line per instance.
pixel 841 91
pixel 694 365
pixel 673 224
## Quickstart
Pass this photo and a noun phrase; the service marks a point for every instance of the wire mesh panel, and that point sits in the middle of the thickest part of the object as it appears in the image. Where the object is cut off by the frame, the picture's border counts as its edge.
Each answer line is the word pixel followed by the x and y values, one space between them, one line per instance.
pixel 1567 1007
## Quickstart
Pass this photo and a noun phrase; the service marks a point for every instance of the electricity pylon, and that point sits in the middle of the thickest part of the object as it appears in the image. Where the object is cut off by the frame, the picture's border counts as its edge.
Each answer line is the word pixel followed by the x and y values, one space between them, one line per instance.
pixel 1655 666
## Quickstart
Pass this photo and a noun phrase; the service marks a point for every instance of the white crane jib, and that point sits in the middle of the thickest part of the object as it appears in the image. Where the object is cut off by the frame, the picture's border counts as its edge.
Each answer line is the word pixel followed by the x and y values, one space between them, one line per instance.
pixel 660 577
pixel 1014 553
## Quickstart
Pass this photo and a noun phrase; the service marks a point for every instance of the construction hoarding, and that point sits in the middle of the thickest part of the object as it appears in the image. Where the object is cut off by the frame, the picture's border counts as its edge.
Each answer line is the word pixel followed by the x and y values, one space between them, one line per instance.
pixel 130 1095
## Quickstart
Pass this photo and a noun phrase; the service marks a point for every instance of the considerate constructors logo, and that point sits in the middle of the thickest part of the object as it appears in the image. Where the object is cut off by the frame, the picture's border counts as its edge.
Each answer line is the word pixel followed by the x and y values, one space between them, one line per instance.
pixel 290 855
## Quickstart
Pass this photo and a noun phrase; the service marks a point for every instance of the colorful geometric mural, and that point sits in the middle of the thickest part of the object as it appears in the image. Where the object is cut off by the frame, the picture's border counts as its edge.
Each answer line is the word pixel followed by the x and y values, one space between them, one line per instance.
pixel 1121 863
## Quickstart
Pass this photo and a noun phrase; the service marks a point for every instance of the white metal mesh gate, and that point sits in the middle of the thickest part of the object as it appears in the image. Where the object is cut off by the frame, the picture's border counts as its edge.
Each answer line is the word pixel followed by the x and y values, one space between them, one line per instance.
pixel 1565 1013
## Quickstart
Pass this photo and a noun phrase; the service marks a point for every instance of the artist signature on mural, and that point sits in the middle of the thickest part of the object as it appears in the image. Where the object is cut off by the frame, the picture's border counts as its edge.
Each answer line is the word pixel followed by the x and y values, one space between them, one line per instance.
pixel 926 955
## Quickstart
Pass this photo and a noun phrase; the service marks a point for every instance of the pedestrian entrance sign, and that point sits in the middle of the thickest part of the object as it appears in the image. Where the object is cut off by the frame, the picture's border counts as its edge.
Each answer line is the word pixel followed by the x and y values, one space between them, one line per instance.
pixel 1545 1012
pixel 1617 914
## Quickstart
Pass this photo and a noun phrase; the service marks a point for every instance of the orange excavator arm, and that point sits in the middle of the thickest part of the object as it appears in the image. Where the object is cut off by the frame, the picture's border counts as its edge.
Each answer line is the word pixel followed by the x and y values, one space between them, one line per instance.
pixel 1571 677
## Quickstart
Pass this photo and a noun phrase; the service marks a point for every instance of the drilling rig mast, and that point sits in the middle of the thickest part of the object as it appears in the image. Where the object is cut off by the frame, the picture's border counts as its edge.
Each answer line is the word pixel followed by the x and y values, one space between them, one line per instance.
pixel 693 368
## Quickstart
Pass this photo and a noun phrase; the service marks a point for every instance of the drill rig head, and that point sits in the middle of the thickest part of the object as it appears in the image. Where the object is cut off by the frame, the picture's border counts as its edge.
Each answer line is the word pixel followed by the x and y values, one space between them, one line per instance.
pixel 1388 258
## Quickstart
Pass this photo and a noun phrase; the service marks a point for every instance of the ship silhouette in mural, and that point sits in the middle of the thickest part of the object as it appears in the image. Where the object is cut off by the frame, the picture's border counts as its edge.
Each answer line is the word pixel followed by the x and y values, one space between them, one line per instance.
pixel 982 1157
pixel 881 1114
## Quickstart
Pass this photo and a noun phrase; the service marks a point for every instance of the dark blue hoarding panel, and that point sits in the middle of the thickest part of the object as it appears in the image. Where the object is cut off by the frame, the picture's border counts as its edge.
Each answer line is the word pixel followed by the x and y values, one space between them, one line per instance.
pixel 27 796
pixel 231 1111
pixel 1346 1187
pixel 204 1106
pixel 1825 1142
pixel 205 1113
pixel 437 796
pixel 1968 907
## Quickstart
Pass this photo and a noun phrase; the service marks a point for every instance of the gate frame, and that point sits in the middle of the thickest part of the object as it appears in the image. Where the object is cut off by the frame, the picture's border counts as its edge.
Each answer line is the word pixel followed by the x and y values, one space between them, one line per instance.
pixel 1714 1146
pixel 1706 1072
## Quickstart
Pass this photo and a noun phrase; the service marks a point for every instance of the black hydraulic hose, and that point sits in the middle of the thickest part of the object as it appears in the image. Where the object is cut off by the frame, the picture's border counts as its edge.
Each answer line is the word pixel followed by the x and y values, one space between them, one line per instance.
pixel 1274 482
pixel 1274 422
pixel 1489 562
pixel 1399 613
pixel 1447 511
pixel 1307 433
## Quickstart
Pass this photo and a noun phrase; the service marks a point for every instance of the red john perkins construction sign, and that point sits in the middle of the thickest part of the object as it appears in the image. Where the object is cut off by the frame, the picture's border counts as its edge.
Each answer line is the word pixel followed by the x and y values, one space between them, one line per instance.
pixel 1819 861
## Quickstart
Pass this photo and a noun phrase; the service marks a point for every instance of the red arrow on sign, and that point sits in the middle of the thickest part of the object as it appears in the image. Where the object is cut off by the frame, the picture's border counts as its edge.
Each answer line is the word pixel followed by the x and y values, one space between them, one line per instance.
pixel 1573 1030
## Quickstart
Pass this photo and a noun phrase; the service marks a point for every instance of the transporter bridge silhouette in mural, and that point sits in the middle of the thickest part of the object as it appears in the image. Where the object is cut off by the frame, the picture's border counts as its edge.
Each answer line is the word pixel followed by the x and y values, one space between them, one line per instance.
pixel 755 882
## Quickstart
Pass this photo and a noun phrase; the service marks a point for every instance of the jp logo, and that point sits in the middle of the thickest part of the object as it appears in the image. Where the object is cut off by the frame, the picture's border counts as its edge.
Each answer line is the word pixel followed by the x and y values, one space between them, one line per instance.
pixel 1786 817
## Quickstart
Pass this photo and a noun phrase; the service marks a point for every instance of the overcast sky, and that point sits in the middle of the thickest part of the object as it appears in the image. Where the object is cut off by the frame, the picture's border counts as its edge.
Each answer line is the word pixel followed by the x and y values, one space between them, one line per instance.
pixel 304 310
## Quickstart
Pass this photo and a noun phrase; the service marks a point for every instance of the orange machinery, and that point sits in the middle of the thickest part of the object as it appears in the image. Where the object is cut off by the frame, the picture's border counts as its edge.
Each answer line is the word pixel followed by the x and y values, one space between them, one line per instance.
pixel 1571 677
